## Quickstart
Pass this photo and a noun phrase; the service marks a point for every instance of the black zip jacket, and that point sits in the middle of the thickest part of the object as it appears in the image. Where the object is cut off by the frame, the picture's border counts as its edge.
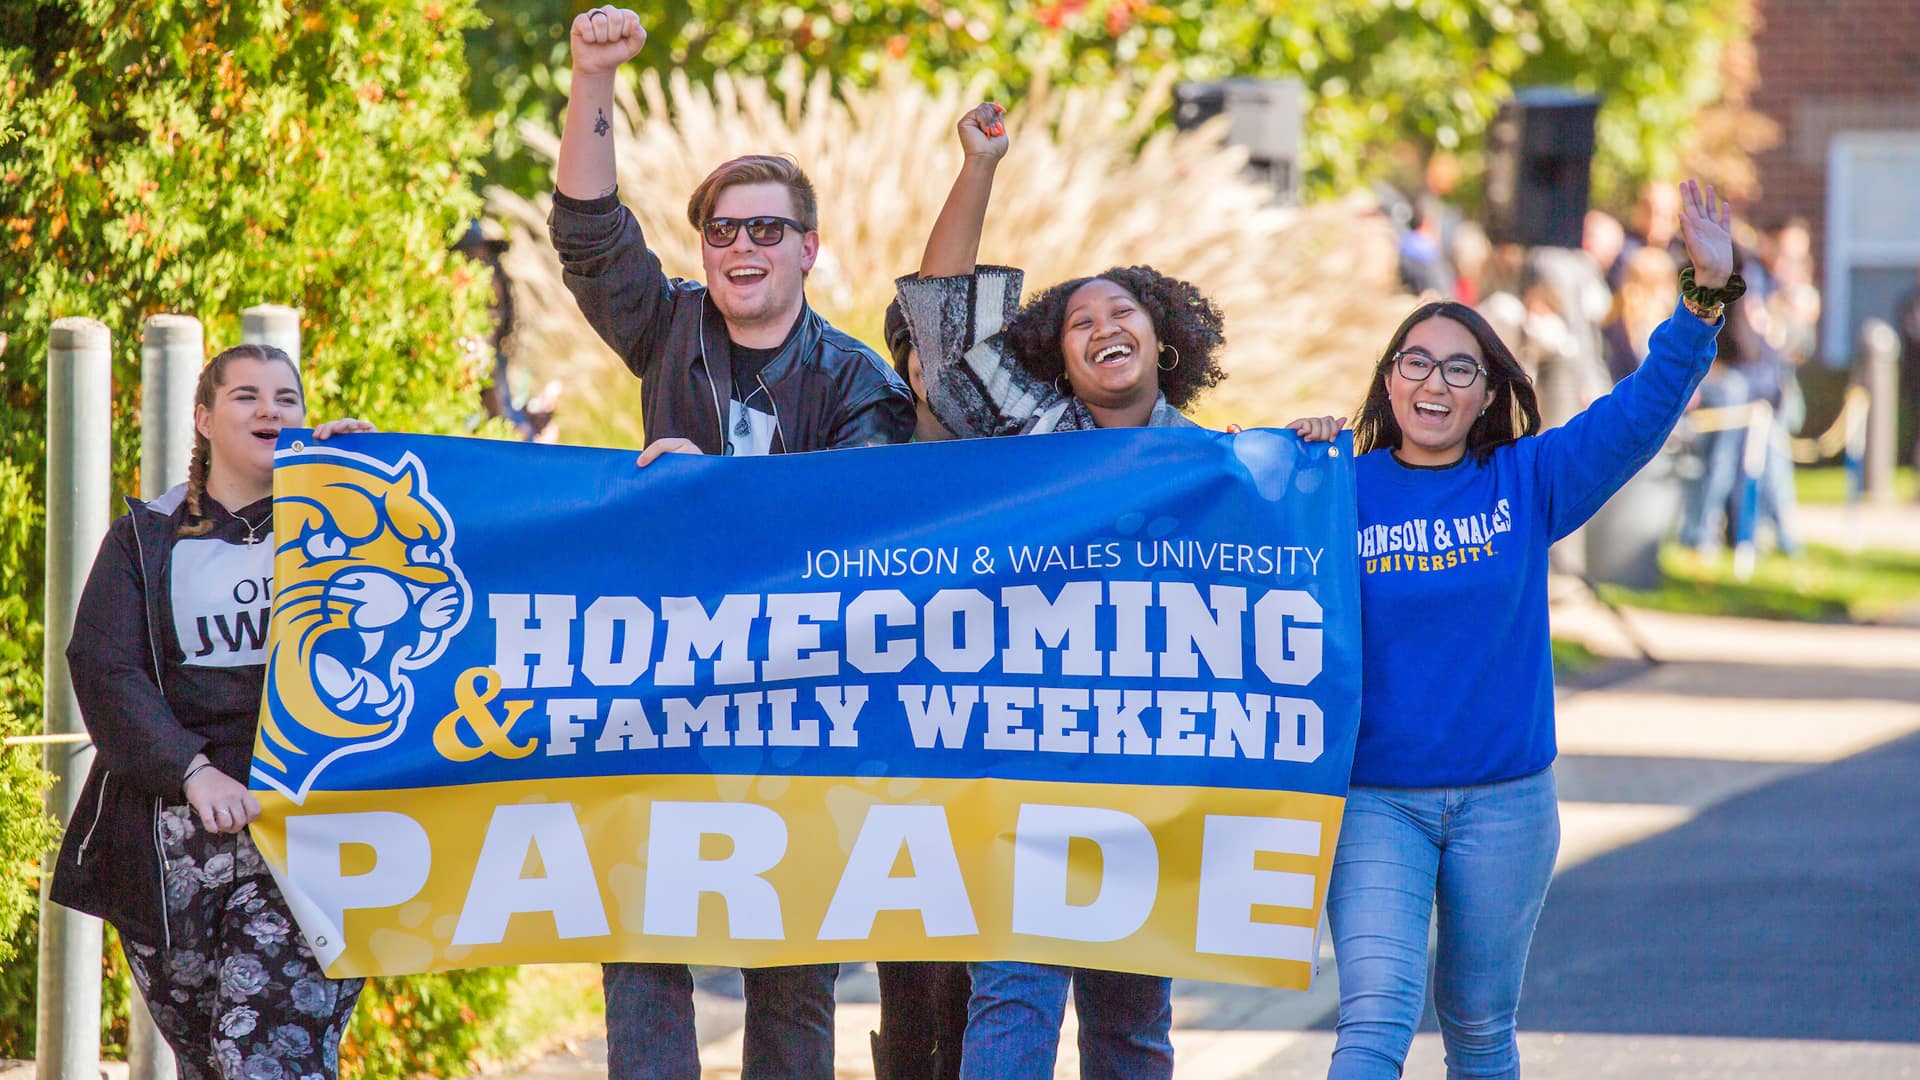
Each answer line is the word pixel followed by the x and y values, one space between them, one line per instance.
pixel 828 390
pixel 110 863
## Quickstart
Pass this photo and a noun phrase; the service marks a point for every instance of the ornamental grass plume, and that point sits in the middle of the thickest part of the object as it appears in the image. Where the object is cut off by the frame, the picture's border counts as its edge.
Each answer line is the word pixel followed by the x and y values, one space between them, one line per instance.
pixel 1310 294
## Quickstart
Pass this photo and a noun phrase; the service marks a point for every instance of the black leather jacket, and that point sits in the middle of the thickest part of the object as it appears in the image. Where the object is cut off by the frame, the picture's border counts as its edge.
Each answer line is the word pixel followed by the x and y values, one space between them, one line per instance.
pixel 828 389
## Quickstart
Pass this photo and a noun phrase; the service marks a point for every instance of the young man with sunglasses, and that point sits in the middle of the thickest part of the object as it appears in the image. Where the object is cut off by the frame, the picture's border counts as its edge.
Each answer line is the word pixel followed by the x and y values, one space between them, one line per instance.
pixel 740 365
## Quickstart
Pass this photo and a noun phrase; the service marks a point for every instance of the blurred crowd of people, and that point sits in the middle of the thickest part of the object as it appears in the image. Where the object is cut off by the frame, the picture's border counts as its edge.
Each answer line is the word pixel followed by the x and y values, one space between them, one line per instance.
pixel 1580 318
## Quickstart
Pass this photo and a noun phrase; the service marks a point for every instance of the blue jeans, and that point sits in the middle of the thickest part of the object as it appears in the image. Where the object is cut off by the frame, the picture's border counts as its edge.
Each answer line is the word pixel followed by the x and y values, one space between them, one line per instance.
pixel 1703 520
pixel 650 1032
pixel 1013 1022
pixel 1485 854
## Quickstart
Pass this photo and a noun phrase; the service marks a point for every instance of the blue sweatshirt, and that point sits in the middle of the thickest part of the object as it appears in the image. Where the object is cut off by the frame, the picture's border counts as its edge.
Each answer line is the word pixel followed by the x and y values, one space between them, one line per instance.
pixel 1453 586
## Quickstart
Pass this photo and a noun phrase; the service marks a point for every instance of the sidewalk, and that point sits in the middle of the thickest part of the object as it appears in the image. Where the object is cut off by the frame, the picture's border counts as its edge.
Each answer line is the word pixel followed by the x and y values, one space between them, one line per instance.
pixel 1893 526
pixel 1752 789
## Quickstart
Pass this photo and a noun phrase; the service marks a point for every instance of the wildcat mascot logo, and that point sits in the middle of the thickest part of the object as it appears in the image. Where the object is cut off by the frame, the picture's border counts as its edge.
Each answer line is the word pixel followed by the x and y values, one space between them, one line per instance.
pixel 366 591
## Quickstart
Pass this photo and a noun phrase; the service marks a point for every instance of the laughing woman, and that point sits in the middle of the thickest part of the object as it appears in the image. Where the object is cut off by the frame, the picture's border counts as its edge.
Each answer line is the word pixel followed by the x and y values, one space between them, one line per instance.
pixel 159 845
pixel 1129 347
pixel 1126 348
pixel 1452 803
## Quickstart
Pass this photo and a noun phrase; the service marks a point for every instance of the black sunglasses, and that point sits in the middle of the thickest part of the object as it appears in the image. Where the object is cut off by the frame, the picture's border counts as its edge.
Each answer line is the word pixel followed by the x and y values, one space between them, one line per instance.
pixel 763 231
pixel 1415 365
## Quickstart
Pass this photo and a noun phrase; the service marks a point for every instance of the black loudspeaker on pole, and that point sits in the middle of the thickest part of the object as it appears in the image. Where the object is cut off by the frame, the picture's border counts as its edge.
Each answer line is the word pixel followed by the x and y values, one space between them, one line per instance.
pixel 1539 164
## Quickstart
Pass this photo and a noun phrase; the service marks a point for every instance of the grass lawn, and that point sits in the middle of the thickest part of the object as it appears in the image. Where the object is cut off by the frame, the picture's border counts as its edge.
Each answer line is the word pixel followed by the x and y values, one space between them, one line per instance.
pixel 1571 658
pixel 1828 484
pixel 1824 585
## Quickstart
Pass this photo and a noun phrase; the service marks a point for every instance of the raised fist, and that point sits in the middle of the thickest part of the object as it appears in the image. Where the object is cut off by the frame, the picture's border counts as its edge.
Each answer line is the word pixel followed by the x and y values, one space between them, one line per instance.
pixel 983 132
pixel 605 38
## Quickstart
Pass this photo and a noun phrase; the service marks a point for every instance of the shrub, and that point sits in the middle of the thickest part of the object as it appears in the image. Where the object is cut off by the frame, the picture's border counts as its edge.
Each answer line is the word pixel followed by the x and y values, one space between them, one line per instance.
pixel 422 1024
pixel 186 156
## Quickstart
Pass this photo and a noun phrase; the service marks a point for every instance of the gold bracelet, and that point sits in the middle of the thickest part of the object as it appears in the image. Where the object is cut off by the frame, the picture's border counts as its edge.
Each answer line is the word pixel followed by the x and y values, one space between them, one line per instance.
pixel 1705 313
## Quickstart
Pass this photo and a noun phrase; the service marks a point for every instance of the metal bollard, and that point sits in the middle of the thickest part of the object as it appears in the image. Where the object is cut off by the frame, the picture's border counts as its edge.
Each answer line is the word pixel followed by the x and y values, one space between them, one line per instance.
pixel 1879 372
pixel 172 352
pixel 79 478
pixel 148 1055
pixel 272 324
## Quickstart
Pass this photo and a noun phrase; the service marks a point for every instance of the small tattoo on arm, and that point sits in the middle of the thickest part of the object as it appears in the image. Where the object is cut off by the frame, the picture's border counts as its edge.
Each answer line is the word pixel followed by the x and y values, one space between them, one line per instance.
pixel 600 125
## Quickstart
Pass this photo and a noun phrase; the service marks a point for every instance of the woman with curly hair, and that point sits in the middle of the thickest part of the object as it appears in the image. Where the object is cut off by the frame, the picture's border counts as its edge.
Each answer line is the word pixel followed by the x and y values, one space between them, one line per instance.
pixel 1129 347
pixel 159 845
pixel 1126 348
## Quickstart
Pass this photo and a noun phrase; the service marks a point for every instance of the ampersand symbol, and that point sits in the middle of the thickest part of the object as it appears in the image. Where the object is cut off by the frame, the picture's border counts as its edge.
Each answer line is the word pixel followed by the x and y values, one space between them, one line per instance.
pixel 473 692
pixel 983 560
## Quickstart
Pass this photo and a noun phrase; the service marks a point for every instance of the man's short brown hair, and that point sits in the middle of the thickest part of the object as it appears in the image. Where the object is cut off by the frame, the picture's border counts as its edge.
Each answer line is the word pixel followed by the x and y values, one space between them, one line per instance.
pixel 756 169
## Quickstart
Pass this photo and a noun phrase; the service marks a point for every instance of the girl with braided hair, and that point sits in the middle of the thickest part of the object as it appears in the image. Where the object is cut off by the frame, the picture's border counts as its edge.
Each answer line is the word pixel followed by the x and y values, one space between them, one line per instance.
pixel 168 662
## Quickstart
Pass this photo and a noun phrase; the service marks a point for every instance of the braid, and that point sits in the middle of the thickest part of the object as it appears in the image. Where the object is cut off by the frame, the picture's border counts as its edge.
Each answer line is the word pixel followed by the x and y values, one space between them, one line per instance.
pixel 197 523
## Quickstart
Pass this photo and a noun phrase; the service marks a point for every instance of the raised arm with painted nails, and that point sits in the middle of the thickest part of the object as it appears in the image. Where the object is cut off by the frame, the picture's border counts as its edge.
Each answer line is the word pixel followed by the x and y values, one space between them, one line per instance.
pixel 954 245
pixel 1122 349
pixel 1128 347
pixel 956 309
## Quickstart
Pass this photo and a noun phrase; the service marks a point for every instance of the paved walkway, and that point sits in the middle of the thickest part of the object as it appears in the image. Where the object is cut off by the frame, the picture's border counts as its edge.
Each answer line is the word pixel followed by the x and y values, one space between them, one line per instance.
pixel 1893 526
pixel 1734 897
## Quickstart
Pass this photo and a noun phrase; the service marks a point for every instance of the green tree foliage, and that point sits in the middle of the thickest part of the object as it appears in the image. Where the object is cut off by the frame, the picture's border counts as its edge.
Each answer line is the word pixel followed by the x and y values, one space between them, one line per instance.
pixel 1379 73
pixel 200 156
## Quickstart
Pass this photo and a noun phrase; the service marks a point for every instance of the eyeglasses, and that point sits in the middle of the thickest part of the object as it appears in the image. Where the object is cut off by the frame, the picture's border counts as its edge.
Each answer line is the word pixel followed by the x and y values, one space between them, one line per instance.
pixel 763 231
pixel 1414 365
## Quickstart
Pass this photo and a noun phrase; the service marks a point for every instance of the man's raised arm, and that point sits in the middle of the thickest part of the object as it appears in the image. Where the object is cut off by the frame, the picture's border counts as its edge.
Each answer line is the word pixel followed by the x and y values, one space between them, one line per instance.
pixel 601 40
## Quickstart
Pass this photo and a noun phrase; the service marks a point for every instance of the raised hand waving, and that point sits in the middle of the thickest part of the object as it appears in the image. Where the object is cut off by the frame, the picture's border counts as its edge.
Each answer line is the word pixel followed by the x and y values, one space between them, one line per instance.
pixel 1706 222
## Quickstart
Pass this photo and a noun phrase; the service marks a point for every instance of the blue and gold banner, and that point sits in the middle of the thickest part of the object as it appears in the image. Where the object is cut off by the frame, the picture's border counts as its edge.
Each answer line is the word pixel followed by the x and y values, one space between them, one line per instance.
pixel 1082 699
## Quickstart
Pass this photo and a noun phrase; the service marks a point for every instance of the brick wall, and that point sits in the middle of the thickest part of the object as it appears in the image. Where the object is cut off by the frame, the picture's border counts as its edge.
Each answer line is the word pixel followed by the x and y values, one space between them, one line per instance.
pixel 1828 66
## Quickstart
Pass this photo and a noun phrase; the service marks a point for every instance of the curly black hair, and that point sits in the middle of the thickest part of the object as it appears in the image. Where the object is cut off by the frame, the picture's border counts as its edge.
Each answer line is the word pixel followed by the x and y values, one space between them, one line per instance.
pixel 1182 317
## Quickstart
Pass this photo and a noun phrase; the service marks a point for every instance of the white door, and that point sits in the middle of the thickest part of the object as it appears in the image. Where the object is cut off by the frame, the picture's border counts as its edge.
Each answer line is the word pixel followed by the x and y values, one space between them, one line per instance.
pixel 1873 233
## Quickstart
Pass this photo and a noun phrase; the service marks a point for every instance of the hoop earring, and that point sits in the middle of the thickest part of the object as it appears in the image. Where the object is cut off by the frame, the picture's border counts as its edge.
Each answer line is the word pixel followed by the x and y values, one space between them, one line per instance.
pixel 1162 364
pixel 1056 387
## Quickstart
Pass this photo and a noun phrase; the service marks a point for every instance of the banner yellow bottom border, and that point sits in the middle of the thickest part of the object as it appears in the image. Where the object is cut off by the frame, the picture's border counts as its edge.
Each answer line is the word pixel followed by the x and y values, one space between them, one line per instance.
pixel 1220 884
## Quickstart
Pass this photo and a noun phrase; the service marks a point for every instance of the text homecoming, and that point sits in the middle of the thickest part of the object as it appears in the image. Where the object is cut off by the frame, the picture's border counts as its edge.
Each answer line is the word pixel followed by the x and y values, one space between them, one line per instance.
pixel 1105 654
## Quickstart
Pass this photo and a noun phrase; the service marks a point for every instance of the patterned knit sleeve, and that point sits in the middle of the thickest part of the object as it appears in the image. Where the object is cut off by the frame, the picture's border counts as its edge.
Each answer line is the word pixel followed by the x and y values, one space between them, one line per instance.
pixel 974 387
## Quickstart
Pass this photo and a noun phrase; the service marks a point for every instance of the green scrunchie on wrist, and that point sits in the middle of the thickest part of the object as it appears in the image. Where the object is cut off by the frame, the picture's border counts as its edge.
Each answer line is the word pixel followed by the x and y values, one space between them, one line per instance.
pixel 1734 289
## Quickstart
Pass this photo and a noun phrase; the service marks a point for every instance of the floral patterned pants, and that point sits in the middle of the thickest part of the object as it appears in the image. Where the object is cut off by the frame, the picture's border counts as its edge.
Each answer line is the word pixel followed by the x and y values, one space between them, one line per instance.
pixel 239 995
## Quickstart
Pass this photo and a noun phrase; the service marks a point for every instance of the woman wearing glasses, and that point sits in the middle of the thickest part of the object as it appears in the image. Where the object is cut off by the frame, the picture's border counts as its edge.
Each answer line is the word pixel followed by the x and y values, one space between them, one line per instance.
pixel 1452 800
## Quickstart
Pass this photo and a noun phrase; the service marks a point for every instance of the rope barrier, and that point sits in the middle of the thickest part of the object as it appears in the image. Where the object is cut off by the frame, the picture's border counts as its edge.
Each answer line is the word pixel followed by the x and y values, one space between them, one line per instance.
pixel 42 740
pixel 1840 437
